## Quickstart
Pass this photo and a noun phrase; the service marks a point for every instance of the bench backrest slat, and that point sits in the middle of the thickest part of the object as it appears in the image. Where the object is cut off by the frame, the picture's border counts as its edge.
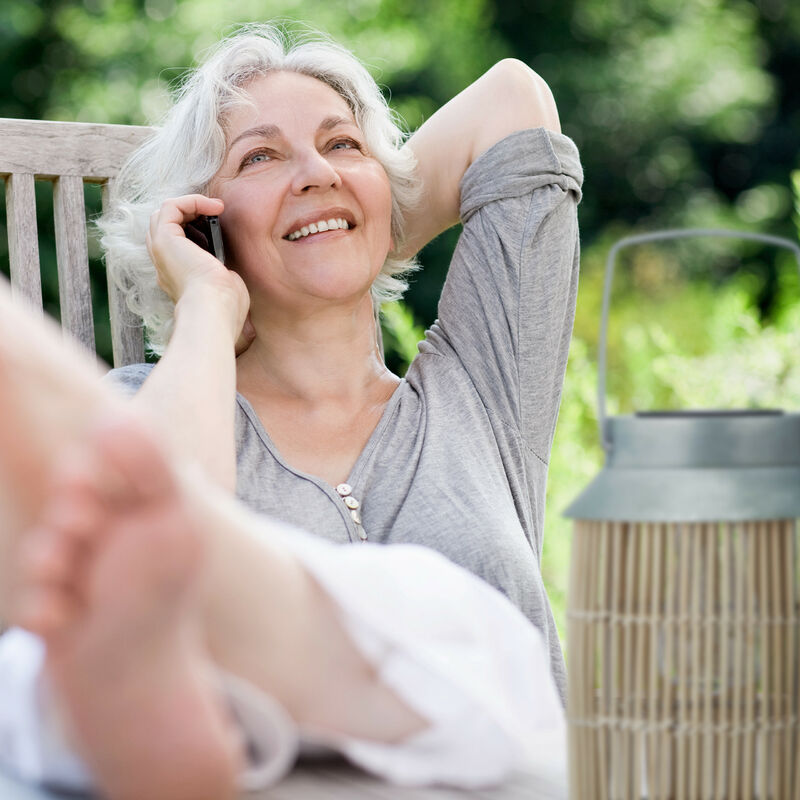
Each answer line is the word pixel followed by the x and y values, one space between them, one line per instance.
pixel 23 237
pixel 72 251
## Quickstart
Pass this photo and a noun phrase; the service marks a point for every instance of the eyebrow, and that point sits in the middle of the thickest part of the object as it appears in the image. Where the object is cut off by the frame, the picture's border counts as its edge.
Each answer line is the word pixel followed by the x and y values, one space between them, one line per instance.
pixel 260 131
pixel 273 131
pixel 333 122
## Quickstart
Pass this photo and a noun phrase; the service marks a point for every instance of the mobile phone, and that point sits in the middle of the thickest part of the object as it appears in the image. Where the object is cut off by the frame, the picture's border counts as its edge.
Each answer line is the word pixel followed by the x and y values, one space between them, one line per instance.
pixel 206 233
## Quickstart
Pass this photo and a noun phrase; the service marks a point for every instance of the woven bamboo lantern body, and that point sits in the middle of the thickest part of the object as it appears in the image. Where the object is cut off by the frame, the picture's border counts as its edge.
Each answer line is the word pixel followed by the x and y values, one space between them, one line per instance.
pixel 683 661
pixel 682 611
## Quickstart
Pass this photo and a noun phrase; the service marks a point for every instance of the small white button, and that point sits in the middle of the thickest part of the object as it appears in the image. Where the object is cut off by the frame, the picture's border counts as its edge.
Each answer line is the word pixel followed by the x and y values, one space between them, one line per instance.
pixel 356 516
pixel 351 502
pixel 344 489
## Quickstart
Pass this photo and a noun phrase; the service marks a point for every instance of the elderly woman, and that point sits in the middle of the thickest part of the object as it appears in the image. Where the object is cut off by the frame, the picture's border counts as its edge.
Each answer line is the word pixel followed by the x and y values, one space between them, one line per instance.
pixel 406 664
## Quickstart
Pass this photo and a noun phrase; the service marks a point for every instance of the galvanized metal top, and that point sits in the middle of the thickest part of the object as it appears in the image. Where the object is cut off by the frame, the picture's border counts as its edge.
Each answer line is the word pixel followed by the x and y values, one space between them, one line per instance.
pixel 697 466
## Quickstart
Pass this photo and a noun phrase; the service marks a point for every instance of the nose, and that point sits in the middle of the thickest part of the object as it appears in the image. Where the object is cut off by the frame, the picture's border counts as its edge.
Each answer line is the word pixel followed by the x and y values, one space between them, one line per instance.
pixel 314 171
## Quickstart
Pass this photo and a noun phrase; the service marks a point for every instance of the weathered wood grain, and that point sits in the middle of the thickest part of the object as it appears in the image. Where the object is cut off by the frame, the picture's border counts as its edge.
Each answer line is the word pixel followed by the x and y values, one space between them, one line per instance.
pixel 74 287
pixel 49 149
pixel 23 238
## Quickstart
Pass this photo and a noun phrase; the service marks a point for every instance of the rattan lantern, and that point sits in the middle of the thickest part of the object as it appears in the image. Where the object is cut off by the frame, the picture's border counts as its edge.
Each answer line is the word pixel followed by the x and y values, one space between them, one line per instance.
pixel 682 612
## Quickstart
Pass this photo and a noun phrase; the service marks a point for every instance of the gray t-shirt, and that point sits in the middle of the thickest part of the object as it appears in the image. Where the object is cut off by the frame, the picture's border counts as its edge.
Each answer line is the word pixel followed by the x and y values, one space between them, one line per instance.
pixel 458 461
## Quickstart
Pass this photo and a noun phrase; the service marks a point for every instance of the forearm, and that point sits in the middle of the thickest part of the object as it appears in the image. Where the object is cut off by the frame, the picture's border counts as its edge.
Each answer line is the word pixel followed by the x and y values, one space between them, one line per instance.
pixel 507 98
pixel 190 396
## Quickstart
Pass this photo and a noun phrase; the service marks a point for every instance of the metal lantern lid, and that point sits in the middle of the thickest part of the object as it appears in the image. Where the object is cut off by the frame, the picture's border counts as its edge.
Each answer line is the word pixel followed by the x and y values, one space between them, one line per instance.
pixel 692 466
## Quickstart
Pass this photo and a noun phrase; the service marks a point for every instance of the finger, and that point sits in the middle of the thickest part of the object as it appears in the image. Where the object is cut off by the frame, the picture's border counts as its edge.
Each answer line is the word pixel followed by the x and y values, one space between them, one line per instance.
pixel 167 222
pixel 177 211
pixel 169 246
pixel 246 336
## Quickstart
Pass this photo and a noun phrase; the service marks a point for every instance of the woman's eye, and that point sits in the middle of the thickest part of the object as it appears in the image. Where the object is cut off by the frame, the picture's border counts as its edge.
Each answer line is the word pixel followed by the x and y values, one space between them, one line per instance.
pixel 345 144
pixel 258 157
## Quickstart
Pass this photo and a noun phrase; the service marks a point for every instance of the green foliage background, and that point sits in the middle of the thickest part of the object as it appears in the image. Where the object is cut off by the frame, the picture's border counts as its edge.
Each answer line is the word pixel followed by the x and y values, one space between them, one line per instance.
pixel 687 113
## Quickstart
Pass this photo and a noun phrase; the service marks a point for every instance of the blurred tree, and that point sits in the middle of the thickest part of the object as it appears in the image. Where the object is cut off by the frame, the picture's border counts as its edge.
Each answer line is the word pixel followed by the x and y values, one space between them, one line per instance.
pixel 678 107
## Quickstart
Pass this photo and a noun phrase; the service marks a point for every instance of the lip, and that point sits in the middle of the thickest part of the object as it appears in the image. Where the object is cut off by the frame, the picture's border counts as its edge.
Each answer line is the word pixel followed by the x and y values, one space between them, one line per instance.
pixel 336 212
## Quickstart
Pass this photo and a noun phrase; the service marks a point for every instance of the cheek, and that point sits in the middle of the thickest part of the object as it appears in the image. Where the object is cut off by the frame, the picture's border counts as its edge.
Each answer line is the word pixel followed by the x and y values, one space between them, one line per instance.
pixel 248 223
pixel 370 183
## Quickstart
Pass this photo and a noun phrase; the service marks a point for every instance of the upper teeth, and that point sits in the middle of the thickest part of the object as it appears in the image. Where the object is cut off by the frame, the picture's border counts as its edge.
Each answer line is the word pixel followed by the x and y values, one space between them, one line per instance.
pixel 319 227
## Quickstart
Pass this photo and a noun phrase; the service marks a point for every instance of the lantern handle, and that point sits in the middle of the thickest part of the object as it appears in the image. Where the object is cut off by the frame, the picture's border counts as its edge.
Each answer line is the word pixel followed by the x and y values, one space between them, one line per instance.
pixel 655 236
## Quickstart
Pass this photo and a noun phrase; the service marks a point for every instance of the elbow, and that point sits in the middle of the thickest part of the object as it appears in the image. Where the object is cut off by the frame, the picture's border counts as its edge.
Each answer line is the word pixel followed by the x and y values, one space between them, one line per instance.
pixel 524 95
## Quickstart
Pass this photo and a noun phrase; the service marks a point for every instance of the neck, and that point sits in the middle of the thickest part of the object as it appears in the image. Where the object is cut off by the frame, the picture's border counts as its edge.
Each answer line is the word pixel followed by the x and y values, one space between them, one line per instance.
pixel 329 355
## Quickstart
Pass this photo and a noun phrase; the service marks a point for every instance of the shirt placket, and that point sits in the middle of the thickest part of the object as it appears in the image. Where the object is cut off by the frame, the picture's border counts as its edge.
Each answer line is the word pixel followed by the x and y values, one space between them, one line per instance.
pixel 345 492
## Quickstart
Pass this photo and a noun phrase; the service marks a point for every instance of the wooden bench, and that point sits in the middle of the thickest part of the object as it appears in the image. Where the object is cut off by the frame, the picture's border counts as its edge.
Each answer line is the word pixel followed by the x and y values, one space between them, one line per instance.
pixel 67 154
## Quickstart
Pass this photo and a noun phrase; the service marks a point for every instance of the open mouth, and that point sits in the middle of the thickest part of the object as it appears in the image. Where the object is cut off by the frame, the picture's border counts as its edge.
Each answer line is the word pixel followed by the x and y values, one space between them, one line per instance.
pixel 320 226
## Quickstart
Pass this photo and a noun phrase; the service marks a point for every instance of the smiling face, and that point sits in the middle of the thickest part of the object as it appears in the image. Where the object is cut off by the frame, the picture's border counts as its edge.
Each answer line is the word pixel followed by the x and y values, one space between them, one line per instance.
pixel 297 163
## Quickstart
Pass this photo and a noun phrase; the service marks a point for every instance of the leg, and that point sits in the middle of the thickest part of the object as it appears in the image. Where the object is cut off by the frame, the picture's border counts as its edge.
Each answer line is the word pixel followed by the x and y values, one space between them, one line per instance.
pixel 109 579
pixel 49 395
pixel 254 591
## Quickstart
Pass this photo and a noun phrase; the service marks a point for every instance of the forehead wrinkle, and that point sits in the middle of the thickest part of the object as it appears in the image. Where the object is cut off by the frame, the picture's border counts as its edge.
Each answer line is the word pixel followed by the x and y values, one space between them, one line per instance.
pixel 261 131
pixel 333 121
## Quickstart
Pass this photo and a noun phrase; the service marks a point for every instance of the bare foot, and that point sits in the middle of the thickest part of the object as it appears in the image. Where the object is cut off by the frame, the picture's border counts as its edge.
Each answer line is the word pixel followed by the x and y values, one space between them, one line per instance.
pixel 110 581
pixel 50 393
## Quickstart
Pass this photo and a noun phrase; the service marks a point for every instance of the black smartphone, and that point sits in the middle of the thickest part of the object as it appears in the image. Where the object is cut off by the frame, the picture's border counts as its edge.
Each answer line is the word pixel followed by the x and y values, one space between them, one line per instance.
pixel 206 233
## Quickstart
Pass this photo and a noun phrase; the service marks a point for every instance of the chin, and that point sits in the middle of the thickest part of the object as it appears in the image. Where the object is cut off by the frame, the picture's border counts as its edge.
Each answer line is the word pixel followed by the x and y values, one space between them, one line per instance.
pixel 339 288
pixel 341 294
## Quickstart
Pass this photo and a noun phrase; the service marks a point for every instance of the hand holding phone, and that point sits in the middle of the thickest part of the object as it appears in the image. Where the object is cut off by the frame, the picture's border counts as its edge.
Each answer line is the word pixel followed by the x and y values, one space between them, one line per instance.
pixel 206 233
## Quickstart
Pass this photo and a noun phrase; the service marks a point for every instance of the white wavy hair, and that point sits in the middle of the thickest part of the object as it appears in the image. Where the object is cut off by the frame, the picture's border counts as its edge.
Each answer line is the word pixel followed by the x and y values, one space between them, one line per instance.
pixel 187 150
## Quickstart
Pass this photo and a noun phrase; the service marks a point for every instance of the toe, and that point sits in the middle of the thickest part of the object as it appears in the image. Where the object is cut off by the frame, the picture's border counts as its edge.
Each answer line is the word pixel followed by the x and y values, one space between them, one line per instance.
pixel 45 557
pixel 46 610
pixel 75 509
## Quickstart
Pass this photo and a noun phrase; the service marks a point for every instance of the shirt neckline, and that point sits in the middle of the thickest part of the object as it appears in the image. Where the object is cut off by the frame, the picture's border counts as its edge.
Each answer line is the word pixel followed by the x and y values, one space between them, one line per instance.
pixel 355 476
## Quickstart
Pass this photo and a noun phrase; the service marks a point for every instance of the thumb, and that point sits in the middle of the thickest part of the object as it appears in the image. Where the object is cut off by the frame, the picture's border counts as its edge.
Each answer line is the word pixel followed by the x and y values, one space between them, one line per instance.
pixel 246 337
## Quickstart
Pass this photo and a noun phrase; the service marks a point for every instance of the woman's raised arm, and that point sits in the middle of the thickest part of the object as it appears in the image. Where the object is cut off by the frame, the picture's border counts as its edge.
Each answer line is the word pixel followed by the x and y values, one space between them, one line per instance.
pixel 507 98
